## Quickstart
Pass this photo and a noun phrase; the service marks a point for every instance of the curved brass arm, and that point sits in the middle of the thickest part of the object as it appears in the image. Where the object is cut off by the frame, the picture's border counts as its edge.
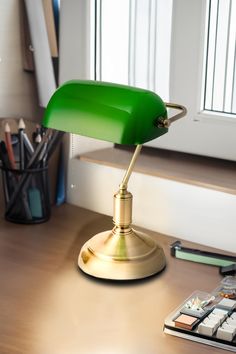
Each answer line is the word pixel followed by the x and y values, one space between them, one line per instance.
pixel 166 122
pixel 125 181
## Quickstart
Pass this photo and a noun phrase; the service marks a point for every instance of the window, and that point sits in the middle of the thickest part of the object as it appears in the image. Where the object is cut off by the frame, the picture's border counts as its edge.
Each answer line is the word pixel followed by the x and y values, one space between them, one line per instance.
pixel 184 51
pixel 166 46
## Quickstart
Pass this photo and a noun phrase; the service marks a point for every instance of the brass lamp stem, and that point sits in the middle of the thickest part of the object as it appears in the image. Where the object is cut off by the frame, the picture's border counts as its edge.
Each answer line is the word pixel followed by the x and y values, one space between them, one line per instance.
pixel 122 216
pixel 127 175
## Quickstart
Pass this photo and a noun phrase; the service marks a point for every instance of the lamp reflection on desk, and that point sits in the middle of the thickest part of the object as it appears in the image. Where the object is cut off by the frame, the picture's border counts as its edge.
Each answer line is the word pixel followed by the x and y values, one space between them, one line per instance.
pixel 122 115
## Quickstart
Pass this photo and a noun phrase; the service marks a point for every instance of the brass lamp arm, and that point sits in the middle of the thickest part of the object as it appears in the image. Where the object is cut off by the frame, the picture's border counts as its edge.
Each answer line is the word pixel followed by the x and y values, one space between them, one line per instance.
pixel 166 122
pixel 161 123
pixel 125 181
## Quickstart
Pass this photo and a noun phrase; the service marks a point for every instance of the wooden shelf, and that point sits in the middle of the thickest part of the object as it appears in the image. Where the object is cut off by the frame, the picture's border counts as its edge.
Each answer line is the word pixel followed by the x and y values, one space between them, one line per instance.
pixel 206 172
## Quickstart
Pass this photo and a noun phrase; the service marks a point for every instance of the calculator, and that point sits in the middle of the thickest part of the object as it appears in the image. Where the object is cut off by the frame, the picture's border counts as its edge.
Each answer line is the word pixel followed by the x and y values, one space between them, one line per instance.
pixel 208 318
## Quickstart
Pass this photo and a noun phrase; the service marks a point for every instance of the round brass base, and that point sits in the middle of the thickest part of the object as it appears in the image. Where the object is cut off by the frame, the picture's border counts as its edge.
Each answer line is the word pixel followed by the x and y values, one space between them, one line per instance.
pixel 120 255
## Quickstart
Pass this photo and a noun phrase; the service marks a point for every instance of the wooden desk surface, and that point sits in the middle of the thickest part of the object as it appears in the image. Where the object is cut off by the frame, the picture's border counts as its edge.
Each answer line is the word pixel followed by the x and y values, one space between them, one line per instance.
pixel 47 306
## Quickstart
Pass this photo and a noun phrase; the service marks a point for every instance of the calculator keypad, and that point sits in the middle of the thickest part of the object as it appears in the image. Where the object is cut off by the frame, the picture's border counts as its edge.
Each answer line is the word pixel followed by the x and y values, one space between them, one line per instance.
pixel 207 318
pixel 220 323
pixel 227 330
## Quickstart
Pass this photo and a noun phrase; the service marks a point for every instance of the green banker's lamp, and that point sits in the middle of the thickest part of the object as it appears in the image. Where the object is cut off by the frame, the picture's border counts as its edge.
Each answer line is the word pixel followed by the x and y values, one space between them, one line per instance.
pixel 122 115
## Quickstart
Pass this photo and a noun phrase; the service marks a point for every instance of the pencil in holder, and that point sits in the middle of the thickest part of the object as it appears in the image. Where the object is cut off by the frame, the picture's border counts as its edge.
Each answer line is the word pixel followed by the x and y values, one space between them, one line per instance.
pixel 26 193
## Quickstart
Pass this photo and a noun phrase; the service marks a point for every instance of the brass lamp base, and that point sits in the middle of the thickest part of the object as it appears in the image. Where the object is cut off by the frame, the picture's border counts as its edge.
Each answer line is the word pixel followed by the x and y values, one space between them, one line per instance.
pixel 121 255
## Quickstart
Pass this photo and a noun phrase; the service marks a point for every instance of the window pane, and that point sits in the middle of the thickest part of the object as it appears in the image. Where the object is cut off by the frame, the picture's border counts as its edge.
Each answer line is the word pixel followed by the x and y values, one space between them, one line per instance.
pixel 133 43
pixel 113 48
pixel 220 90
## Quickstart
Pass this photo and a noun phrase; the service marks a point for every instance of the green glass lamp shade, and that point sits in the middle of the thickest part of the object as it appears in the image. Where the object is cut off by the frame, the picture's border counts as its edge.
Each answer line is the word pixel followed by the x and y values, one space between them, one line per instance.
pixel 106 111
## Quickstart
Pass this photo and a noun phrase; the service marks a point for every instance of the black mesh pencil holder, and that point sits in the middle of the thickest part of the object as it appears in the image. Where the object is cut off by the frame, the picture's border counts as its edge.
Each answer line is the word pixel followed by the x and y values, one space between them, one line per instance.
pixel 27 197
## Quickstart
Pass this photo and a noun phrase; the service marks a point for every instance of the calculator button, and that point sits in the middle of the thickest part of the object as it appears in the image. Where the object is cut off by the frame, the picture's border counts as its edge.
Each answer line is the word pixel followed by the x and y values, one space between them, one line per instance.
pixel 221 313
pixel 230 321
pixel 233 316
pixel 215 318
pixel 207 328
pixel 227 303
pixel 226 332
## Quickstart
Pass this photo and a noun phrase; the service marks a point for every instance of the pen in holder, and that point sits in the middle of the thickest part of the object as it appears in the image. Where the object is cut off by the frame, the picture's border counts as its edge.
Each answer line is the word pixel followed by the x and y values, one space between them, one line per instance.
pixel 27 193
pixel 24 166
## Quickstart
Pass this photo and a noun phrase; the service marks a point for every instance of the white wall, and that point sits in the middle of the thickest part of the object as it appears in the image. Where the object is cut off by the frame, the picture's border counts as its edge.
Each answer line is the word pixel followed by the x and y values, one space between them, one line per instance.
pixel 185 211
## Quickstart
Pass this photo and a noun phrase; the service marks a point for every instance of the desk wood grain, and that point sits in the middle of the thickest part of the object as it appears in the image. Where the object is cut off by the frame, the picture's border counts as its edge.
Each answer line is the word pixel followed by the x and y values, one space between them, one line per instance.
pixel 47 306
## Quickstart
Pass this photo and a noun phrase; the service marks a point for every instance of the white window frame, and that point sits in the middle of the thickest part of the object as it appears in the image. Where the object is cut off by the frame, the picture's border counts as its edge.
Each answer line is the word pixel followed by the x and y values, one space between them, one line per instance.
pixel 201 132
